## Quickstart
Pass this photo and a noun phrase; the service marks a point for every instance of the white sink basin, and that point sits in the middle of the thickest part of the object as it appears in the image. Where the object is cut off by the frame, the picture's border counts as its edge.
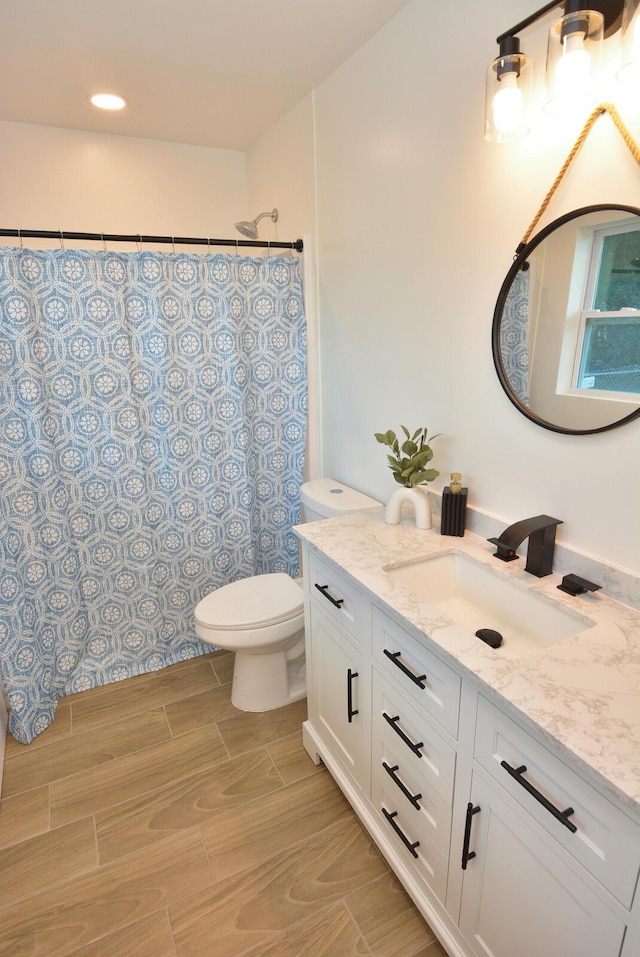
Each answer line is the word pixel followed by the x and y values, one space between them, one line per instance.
pixel 477 596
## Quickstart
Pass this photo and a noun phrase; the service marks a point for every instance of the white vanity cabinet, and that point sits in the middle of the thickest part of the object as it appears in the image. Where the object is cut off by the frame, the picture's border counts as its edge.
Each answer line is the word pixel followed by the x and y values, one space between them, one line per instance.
pixel 336 618
pixel 506 849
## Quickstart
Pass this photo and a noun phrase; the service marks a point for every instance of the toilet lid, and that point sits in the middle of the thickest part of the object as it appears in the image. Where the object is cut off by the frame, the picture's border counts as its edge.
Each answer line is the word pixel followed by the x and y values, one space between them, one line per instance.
pixel 260 600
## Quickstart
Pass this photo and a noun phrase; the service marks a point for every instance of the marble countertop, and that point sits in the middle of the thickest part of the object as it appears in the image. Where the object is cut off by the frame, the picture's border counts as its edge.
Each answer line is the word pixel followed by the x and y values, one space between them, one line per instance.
pixel 582 694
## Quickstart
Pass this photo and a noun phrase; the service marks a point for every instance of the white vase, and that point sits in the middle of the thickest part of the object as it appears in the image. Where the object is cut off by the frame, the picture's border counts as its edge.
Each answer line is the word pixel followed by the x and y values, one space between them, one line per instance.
pixel 417 497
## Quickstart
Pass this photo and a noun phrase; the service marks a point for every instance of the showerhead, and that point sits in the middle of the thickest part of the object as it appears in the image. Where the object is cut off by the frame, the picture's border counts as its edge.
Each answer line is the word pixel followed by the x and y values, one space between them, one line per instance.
pixel 250 229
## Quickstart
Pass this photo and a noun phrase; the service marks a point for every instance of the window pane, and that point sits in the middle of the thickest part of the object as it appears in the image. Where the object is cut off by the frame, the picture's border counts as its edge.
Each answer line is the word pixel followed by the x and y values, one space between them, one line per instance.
pixel 611 355
pixel 618 285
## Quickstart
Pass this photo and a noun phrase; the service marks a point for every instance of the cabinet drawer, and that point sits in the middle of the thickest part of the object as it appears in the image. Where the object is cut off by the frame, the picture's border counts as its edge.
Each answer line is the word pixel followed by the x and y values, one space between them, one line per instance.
pixel 431 684
pixel 600 836
pixel 398 724
pixel 341 601
pixel 414 845
pixel 394 779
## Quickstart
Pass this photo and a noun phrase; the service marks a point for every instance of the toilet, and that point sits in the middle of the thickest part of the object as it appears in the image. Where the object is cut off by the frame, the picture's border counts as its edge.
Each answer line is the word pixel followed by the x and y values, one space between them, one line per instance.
pixel 261 618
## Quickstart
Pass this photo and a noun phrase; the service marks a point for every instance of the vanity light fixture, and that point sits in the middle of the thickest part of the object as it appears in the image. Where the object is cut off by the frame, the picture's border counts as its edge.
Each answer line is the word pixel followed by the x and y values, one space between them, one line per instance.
pixel 573 55
pixel 108 101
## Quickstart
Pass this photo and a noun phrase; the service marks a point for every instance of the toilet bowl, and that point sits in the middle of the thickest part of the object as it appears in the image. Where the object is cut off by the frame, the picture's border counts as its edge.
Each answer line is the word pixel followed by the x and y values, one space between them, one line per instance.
pixel 261 618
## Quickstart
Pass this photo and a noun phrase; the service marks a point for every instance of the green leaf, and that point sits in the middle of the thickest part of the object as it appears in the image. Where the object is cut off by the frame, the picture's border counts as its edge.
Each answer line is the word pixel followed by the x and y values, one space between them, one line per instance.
pixel 426 475
pixel 409 447
pixel 381 437
pixel 423 456
pixel 406 431
pixel 399 478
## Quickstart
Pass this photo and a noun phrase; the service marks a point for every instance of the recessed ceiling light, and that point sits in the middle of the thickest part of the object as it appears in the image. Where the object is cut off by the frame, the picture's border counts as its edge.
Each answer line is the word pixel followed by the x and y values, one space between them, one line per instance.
pixel 108 101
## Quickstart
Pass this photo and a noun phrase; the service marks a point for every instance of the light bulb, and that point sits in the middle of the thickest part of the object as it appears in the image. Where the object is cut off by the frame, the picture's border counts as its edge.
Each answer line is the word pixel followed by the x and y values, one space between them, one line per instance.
pixel 507 104
pixel 108 101
pixel 574 52
pixel 507 94
pixel 573 68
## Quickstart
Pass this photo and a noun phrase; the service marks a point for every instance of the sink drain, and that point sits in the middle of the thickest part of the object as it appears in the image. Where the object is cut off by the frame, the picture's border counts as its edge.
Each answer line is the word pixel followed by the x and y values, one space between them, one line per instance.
pixel 490 637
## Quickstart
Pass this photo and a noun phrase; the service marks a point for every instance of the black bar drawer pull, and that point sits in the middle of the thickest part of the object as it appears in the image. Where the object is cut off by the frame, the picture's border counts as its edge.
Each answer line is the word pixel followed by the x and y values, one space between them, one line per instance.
pixel 324 590
pixel 468 855
pixel 395 657
pixel 350 709
pixel 562 816
pixel 414 798
pixel 403 837
pixel 409 743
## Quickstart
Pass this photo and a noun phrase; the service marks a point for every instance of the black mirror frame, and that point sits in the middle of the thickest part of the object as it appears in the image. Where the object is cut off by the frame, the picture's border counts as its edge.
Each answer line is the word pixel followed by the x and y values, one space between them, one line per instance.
pixel 518 263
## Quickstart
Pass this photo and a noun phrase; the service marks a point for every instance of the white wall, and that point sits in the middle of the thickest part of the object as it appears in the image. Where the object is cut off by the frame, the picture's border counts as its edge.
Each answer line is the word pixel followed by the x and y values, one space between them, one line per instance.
pixel 418 219
pixel 280 173
pixel 94 182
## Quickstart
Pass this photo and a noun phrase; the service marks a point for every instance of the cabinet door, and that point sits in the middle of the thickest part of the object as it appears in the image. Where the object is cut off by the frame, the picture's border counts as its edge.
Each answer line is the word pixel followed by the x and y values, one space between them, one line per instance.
pixel 520 898
pixel 340 706
pixel 596 833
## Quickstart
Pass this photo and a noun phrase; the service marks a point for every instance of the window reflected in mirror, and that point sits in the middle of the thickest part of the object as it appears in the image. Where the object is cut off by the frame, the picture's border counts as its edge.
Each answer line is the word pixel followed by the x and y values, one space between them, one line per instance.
pixel 608 355
pixel 566 330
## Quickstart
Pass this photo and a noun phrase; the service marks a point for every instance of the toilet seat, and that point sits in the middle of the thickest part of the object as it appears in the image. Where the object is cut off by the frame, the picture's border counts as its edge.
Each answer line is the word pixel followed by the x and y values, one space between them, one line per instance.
pixel 256 602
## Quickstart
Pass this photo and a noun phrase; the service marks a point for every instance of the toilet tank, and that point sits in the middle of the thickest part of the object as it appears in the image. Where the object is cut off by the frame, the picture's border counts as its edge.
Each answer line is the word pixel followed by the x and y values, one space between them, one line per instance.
pixel 324 497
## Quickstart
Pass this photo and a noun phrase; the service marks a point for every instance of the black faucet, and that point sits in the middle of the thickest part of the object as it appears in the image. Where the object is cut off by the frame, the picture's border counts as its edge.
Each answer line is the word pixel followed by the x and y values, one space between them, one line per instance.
pixel 541 532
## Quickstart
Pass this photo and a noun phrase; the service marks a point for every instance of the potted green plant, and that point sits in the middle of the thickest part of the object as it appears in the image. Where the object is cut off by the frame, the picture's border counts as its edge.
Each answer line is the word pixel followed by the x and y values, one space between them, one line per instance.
pixel 408 463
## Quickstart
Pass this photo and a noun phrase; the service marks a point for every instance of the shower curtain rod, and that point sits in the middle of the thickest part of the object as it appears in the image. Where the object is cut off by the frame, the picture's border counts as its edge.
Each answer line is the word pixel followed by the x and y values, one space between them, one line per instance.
pixel 172 240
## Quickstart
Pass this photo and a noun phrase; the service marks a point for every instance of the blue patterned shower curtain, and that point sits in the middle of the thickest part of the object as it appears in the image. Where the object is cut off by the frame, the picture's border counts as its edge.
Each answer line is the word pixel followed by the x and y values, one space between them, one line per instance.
pixel 514 336
pixel 152 433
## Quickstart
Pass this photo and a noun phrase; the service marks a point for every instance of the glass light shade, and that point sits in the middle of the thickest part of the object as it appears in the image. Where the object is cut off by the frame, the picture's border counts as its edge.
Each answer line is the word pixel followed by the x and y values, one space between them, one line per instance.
pixel 573 62
pixel 507 98
pixel 630 64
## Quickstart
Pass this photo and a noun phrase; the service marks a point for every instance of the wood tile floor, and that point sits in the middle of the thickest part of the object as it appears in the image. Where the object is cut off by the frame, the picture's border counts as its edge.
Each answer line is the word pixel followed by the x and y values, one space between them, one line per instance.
pixel 153 819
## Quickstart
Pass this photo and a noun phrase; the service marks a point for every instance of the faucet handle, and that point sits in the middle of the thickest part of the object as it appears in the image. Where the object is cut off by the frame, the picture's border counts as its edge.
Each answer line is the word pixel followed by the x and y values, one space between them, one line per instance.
pixel 504 552
pixel 574 585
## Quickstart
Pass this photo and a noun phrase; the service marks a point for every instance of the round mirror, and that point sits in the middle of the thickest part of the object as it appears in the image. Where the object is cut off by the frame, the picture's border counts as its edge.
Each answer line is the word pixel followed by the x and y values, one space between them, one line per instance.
pixel 566 328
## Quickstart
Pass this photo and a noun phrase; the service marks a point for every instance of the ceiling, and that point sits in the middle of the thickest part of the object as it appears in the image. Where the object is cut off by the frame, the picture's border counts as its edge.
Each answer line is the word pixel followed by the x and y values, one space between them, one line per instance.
pixel 207 72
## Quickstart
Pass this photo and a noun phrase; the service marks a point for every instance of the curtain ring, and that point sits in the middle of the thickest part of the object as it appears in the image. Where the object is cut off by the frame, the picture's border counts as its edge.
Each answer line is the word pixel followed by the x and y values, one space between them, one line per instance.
pixel 61 239
pixel 173 245
pixel 268 249
pixel 104 242
pixel 236 247
pixel 209 243
pixel 138 241
pixel 20 238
